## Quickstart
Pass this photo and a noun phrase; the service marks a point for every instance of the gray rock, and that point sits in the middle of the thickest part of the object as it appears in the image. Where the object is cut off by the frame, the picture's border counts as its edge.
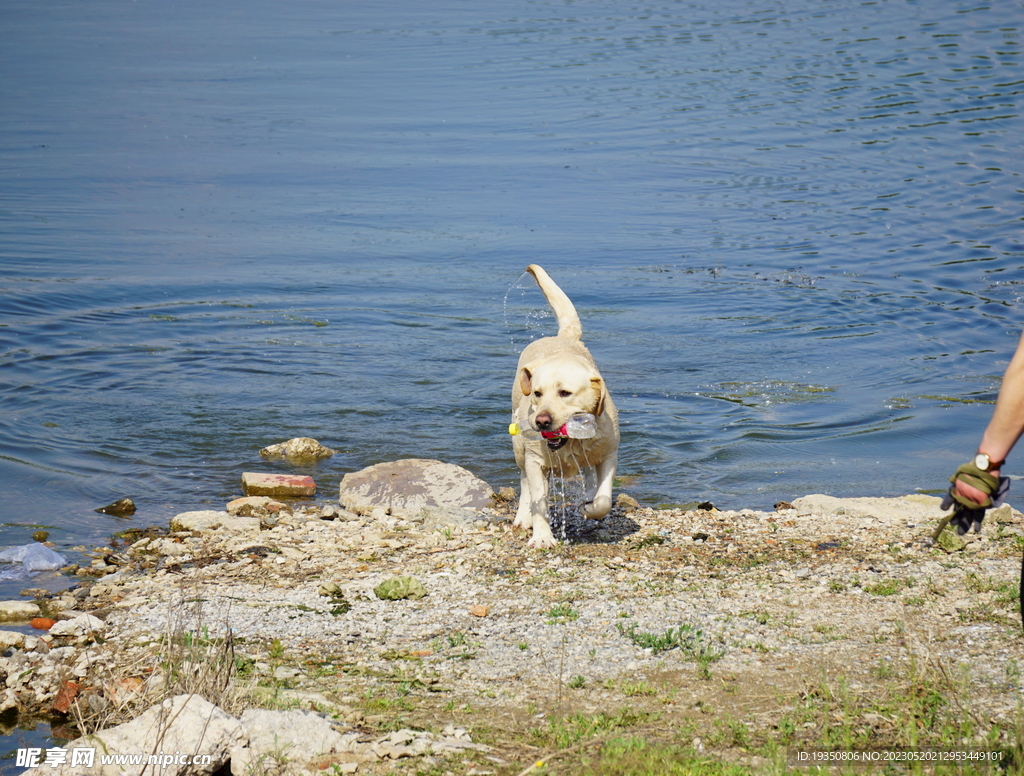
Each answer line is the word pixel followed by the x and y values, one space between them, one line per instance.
pixel 185 724
pixel 123 507
pixel 298 449
pixel 405 487
pixel 17 610
pixel 10 639
pixel 8 700
pixel 915 507
pixel 205 521
pixel 1001 514
pixel 253 506
pixel 82 625
pixel 437 517
pixel 293 735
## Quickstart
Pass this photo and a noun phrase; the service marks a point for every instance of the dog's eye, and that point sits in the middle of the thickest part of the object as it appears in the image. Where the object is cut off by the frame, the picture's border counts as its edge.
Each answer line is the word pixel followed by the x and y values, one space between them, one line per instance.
pixel 564 393
pixel 537 394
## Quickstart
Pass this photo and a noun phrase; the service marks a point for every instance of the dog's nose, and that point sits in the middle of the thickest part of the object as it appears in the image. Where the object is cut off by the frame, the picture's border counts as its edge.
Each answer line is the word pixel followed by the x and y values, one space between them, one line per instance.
pixel 543 421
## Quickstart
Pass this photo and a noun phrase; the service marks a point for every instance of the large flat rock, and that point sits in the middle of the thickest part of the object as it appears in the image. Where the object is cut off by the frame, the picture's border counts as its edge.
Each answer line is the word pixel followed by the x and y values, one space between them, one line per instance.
pixel 917 507
pixel 405 487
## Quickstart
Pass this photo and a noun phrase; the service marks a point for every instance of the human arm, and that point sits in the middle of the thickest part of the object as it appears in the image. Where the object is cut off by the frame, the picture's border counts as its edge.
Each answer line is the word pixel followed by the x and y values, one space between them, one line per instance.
pixel 1006 425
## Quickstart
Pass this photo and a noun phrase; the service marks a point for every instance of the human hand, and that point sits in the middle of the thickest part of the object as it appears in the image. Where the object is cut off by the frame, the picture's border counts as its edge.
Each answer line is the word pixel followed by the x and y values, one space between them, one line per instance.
pixel 972 491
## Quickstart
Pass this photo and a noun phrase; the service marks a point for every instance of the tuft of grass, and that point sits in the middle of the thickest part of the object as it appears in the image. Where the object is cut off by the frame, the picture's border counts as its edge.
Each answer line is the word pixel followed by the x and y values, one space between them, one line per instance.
pixel 633 689
pixel 886 587
pixel 566 731
pixel 458 639
pixel 685 638
pixel 562 613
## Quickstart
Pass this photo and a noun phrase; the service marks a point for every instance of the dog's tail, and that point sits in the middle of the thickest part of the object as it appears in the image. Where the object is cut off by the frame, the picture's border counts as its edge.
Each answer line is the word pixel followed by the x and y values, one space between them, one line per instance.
pixel 568 321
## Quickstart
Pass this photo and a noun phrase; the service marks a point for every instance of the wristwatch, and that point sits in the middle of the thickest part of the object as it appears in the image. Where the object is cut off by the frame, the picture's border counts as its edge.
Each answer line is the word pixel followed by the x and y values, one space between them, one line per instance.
pixel 986 464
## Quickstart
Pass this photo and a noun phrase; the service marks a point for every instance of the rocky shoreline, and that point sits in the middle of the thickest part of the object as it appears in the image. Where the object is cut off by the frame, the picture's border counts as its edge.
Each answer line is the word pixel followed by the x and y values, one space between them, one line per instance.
pixel 690 615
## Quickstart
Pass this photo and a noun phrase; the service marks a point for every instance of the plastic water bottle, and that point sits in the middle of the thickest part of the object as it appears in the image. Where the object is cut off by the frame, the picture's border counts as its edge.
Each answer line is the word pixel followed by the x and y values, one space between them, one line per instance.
pixel 515 428
pixel 582 425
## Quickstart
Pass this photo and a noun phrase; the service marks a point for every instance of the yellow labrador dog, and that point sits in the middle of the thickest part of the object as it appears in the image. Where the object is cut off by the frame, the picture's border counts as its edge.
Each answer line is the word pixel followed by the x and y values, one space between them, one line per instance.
pixel 556 379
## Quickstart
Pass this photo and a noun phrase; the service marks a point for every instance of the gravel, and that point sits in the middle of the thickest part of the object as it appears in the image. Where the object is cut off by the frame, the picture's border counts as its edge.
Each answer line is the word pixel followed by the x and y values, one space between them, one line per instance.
pixel 766 601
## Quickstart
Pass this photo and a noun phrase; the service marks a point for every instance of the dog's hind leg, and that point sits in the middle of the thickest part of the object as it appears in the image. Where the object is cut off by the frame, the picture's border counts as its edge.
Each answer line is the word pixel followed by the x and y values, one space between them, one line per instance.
pixel 598 481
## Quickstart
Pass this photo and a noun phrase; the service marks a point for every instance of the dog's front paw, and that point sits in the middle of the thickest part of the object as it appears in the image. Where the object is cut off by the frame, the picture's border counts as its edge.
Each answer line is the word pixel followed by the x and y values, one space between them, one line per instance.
pixel 542 540
pixel 597 508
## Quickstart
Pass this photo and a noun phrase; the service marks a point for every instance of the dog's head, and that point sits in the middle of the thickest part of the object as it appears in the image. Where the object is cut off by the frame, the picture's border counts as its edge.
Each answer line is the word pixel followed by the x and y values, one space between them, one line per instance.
pixel 557 390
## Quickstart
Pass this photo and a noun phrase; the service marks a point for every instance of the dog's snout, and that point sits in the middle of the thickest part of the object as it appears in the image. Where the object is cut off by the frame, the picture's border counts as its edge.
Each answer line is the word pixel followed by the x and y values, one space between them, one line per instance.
pixel 543 421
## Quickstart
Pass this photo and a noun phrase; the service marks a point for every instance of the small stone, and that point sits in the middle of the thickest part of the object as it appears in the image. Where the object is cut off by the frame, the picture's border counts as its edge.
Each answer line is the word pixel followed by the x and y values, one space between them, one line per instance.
pixel 253 506
pixel 331 590
pixel 950 542
pixel 40 536
pixel 10 639
pixel 81 625
pixel 280 485
pixel 479 610
pixel 298 449
pixel 208 521
pixel 397 588
pixel 17 610
pixel 1002 514
pixel 65 697
pixel 41 623
pixel 123 507
pixel 783 505
pixel 627 502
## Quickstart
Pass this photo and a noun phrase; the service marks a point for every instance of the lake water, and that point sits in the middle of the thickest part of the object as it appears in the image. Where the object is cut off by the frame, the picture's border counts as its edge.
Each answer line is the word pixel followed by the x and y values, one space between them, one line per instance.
pixel 793 232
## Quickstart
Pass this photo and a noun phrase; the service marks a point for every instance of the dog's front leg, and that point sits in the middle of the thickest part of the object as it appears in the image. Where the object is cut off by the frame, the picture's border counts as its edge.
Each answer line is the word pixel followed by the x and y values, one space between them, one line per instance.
pixel 524 514
pixel 598 481
pixel 533 502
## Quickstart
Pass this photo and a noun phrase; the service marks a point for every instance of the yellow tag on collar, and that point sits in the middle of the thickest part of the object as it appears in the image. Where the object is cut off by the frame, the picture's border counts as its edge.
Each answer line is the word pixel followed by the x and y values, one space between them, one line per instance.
pixel 513 428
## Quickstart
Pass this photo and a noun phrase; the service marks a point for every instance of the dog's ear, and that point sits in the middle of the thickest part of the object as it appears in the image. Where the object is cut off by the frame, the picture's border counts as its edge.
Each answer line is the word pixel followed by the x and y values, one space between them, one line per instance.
pixel 524 381
pixel 598 385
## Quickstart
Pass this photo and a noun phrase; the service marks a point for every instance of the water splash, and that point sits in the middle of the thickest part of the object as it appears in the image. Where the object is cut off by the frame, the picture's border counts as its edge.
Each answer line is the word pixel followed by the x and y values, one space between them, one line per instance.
pixel 526 312
pixel 567 494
